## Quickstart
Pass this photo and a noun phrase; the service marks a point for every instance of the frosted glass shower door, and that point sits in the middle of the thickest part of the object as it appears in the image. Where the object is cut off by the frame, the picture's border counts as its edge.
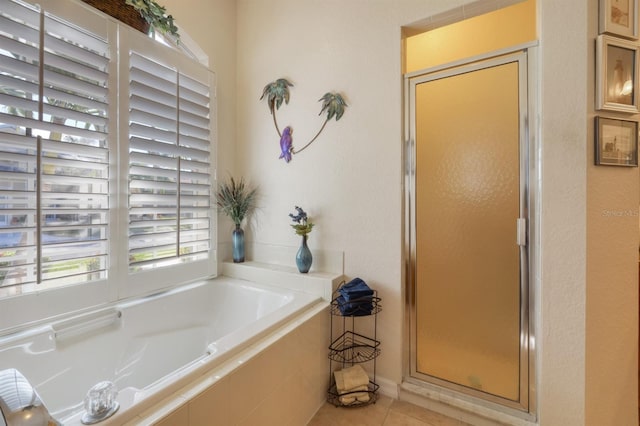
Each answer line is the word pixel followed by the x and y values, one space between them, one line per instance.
pixel 469 193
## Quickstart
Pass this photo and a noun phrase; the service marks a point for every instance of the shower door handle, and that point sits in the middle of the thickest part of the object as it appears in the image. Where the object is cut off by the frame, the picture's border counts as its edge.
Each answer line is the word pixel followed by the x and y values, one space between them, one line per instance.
pixel 521 224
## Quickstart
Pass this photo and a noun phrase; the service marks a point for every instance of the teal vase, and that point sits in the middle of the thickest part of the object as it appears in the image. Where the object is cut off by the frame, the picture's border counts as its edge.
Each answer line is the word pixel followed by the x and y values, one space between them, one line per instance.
pixel 304 257
pixel 237 239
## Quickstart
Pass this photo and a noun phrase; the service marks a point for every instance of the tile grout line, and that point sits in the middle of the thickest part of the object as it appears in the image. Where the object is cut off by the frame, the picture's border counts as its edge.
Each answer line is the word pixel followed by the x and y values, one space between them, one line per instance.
pixel 386 415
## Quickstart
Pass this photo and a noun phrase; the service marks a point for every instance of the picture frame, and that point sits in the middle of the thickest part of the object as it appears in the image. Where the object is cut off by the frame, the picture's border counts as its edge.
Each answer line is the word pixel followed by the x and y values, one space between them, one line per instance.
pixel 616 74
pixel 619 17
pixel 616 142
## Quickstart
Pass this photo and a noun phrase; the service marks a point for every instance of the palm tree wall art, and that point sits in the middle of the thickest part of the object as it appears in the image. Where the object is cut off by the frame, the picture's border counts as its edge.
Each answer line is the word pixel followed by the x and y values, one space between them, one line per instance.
pixel 277 92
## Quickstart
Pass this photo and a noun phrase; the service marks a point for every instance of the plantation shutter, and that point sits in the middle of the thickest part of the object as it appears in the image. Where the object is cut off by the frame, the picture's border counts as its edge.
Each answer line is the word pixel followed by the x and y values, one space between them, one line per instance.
pixel 54 162
pixel 169 164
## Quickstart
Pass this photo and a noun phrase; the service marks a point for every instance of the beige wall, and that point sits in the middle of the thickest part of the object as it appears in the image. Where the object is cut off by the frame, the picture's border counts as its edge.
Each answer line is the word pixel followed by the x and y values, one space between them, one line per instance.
pixel 350 179
pixel 612 277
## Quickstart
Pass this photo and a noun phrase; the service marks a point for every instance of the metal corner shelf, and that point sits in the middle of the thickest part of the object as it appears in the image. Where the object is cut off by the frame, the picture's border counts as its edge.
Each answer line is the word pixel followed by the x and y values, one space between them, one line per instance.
pixel 351 347
pixel 356 308
pixel 335 398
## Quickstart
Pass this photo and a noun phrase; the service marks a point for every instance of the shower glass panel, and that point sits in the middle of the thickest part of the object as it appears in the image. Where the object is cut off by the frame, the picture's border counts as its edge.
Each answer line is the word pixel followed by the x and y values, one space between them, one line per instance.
pixel 468 193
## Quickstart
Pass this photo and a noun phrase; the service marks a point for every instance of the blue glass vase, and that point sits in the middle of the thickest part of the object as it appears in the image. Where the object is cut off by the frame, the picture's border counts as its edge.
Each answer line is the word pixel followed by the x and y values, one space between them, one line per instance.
pixel 304 258
pixel 237 238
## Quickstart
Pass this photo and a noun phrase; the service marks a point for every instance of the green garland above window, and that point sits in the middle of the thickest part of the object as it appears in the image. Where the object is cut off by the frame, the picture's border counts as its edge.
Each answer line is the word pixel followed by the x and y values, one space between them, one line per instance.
pixel 156 16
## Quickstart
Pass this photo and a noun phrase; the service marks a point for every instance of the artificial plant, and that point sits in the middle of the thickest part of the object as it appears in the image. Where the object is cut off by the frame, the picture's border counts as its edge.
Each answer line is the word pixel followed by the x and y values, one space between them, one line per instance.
pixel 156 16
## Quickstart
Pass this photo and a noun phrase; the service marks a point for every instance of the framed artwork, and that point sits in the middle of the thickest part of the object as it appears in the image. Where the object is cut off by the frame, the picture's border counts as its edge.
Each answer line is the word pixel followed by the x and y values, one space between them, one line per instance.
pixel 619 17
pixel 616 74
pixel 616 142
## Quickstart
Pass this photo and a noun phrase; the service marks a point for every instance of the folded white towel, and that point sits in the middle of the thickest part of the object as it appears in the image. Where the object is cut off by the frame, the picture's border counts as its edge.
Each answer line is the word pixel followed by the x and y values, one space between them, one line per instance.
pixel 350 378
pixel 358 394
pixel 359 389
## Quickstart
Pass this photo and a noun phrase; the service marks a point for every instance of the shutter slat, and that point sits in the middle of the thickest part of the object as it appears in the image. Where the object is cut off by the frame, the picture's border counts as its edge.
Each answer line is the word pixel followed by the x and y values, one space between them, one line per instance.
pixel 81 101
pixel 19 86
pixel 198 132
pixel 194 177
pixel 150 146
pixel 149 201
pixel 64 66
pixel 18 50
pixel 153 160
pixel 148 173
pixel 74 85
pixel 195 120
pixel 138 186
pixel 72 132
pixel 70 114
pixel 195 143
pixel 18 107
pixel 77 151
pixel 194 85
pixel 199 110
pixel 146 70
pixel 151 98
pixel 85 170
pixel 21 11
pixel 11 142
pixel 97 58
pixel 79 36
pixel 152 133
pixel 19 68
pixel 18 29
pixel 150 119
pixel 189 96
pixel 139 211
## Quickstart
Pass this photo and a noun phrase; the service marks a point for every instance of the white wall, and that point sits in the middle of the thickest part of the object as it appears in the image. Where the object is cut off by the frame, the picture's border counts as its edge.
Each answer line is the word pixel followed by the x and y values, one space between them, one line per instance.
pixel 349 180
pixel 561 331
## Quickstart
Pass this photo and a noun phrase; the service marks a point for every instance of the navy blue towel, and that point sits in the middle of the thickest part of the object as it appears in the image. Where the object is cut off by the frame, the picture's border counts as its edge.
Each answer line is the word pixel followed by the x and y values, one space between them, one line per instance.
pixel 355 298
pixel 355 289
pixel 354 308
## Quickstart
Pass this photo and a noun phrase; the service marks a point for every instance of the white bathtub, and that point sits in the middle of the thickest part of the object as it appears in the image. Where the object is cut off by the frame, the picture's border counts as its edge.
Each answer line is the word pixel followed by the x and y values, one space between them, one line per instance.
pixel 148 347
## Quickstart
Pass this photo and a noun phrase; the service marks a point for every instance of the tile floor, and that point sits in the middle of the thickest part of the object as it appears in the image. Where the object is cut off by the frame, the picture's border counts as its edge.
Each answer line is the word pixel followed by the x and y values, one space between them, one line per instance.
pixel 385 412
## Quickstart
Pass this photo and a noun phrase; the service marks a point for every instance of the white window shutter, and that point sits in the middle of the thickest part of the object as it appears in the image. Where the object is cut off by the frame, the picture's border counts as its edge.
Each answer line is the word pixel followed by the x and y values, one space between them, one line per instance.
pixel 106 158
pixel 53 149
pixel 169 164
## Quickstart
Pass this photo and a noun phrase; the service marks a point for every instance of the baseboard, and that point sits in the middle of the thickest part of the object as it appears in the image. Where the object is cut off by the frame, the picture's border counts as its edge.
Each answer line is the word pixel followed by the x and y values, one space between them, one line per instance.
pixel 387 387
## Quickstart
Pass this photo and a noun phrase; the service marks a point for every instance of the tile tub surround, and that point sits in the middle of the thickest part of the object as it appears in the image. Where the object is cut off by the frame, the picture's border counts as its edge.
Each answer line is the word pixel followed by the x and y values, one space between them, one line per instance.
pixel 282 380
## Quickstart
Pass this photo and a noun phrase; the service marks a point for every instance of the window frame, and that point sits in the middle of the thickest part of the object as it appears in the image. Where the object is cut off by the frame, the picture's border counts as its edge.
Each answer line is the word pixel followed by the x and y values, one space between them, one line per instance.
pixel 120 283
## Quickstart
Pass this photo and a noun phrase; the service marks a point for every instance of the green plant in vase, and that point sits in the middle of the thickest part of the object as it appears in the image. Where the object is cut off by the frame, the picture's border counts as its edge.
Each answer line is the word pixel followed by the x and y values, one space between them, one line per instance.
pixel 236 200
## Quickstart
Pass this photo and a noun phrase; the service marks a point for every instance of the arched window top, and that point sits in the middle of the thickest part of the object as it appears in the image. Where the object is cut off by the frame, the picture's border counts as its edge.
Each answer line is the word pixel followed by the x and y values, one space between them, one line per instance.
pixel 186 45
